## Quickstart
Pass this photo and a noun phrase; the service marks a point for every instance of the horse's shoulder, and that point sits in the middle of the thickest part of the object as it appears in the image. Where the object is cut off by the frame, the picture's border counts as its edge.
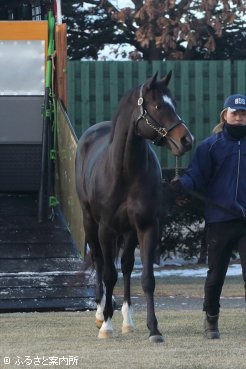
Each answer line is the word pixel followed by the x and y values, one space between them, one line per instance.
pixel 96 131
pixel 95 136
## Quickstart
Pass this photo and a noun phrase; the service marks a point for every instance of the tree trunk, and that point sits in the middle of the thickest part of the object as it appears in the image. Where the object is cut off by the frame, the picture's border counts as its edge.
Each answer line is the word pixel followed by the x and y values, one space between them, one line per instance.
pixel 153 52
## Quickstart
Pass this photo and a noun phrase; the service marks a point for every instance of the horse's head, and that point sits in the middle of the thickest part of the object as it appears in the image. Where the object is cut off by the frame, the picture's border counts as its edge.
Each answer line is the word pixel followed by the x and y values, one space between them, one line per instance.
pixel 157 119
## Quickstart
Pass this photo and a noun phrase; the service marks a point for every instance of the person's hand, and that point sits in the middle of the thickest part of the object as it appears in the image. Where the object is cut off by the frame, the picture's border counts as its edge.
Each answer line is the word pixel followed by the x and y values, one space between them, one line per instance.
pixel 179 193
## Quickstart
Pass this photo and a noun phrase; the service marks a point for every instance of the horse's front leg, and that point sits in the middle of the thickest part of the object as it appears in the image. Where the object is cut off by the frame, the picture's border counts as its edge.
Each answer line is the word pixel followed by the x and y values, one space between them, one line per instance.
pixel 127 263
pixel 109 278
pixel 148 241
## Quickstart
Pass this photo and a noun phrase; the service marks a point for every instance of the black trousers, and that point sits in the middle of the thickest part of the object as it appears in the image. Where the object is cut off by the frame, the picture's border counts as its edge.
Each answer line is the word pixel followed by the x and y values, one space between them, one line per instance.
pixel 222 238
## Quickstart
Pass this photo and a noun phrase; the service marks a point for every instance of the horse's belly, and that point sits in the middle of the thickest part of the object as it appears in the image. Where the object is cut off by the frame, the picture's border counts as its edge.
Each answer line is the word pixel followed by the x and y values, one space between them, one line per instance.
pixel 120 219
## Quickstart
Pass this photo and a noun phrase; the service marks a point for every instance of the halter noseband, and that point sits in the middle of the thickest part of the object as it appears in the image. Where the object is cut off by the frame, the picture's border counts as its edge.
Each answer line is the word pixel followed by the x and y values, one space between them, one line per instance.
pixel 162 132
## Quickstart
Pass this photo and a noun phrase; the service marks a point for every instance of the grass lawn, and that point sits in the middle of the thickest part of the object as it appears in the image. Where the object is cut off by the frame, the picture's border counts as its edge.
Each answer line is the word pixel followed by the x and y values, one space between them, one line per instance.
pixel 74 335
pixel 64 335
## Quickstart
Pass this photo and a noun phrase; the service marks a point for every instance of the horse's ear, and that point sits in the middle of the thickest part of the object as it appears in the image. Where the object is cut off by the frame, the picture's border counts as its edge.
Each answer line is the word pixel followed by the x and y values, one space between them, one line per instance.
pixel 151 81
pixel 165 80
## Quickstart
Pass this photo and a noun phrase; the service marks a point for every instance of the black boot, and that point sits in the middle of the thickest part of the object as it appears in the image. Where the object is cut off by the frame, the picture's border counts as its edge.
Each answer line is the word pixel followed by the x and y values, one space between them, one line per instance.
pixel 211 330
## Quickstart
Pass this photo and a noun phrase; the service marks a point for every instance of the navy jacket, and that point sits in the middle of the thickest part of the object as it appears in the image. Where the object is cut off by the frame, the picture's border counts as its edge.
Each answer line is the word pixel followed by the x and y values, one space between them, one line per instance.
pixel 218 170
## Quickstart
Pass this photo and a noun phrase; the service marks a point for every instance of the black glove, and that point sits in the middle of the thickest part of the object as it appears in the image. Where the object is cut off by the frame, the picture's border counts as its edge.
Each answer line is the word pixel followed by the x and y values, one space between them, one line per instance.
pixel 179 194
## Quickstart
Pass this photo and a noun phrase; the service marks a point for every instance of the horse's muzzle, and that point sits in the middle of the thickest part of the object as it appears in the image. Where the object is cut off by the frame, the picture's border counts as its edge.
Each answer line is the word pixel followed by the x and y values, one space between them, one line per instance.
pixel 187 142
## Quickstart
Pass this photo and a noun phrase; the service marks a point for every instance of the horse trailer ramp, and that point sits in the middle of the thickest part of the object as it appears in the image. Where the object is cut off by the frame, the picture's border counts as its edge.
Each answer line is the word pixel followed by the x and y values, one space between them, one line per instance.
pixel 40 266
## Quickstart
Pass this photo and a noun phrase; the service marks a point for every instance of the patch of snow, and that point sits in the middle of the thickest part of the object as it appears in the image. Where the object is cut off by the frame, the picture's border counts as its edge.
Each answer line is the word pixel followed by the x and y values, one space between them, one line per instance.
pixel 169 267
pixel 42 274
pixel 233 270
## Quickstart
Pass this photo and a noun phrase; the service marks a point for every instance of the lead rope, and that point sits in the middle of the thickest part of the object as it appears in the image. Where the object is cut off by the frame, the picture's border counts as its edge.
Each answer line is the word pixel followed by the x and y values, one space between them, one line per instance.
pixel 176 168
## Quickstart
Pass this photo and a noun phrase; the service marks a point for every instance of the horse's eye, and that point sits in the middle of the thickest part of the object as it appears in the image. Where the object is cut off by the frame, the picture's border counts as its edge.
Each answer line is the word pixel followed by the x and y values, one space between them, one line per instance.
pixel 158 107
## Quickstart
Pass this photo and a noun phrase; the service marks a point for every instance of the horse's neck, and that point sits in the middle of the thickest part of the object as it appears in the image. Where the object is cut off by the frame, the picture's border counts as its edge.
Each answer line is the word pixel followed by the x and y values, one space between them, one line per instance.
pixel 128 151
pixel 136 155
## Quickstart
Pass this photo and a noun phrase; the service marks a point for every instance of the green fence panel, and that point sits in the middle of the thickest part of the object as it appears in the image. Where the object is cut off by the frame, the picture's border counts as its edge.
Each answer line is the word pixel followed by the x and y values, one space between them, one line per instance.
pixel 239 77
pixel 213 103
pixel 199 88
pixel 84 99
pixel 113 88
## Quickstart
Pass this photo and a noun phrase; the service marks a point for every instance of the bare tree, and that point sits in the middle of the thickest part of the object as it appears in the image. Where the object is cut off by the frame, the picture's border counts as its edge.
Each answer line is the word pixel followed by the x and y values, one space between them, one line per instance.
pixel 156 29
pixel 160 29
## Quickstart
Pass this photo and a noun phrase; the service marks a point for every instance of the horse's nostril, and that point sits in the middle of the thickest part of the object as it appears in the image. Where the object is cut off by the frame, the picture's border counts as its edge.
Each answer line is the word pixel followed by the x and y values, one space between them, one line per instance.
pixel 186 141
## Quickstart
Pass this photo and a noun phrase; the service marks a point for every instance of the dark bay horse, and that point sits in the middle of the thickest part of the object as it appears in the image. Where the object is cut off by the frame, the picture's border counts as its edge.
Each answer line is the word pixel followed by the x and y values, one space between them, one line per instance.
pixel 118 181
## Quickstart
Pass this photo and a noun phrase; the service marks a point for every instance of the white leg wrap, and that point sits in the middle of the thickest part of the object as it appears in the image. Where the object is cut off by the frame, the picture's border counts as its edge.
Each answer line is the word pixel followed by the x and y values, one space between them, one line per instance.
pixel 106 330
pixel 100 308
pixel 127 325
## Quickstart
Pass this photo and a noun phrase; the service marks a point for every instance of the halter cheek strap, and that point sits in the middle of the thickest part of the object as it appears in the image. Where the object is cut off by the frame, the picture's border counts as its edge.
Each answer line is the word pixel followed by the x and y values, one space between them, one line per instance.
pixel 140 102
pixel 161 131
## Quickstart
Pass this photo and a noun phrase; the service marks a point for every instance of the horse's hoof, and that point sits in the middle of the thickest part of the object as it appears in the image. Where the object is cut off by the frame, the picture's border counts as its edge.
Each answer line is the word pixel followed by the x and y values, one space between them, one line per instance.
pixel 99 323
pixel 127 329
pixel 105 334
pixel 158 338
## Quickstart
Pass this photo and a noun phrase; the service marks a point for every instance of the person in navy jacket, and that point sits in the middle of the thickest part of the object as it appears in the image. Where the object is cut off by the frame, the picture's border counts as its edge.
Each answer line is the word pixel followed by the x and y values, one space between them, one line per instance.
pixel 218 171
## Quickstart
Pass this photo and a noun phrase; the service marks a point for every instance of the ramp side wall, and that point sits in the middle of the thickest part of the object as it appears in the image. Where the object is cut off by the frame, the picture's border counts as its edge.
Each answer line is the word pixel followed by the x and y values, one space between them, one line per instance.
pixel 65 178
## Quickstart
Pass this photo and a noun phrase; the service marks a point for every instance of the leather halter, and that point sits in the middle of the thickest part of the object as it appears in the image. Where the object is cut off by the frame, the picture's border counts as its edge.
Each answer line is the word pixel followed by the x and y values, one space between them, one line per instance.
pixel 162 132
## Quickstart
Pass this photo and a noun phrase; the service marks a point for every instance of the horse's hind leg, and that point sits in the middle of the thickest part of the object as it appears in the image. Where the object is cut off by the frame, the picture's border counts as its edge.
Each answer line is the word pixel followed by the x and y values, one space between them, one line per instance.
pixel 91 236
pixel 127 263
pixel 100 295
pixel 109 278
